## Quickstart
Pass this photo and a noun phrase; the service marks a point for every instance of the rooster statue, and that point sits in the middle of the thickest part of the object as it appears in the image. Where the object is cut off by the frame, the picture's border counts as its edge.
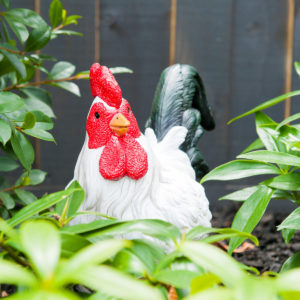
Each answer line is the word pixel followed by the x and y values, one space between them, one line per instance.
pixel 129 175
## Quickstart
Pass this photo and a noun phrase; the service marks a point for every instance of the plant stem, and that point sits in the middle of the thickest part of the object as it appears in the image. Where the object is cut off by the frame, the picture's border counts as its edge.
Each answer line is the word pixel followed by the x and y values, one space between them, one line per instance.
pixel 13 51
pixel 58 27
pixel 47 81
pixel 15 256
pixel 12 188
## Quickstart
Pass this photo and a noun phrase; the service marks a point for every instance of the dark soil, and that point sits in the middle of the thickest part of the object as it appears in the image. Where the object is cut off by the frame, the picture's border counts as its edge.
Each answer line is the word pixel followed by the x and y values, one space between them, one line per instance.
pixel 272 251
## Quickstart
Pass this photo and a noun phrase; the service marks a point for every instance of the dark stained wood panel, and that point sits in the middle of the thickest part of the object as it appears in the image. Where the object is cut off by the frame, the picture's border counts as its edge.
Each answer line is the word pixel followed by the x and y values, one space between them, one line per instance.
pixel 135 34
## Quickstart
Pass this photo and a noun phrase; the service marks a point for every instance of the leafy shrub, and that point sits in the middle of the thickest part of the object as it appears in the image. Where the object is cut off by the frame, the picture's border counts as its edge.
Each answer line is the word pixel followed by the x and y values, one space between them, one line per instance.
pixel 280 158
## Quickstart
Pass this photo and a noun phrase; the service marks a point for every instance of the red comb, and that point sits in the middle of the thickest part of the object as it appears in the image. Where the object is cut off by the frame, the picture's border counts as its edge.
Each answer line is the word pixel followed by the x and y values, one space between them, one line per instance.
pixel 104 85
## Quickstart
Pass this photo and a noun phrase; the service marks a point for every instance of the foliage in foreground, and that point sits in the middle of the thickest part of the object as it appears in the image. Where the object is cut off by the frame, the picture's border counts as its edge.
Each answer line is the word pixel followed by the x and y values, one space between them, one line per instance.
pixel 280 158
pixel 44 258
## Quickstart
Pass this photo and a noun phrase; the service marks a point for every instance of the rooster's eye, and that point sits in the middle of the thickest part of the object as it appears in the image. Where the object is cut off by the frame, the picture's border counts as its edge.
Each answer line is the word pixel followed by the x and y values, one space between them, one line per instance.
pixel 96 115
pixel 129 111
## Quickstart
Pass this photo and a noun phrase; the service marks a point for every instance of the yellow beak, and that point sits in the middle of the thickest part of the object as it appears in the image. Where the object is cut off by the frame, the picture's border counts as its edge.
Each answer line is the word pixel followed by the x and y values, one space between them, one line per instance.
pixel 119 124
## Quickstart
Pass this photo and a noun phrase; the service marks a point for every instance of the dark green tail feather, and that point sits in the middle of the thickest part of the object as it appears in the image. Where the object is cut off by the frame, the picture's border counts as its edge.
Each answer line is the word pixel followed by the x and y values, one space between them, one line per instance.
pixel 180 100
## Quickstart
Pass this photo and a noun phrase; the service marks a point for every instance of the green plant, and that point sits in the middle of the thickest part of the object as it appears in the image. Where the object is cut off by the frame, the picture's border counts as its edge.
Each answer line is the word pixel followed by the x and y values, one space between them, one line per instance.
pixel 280 158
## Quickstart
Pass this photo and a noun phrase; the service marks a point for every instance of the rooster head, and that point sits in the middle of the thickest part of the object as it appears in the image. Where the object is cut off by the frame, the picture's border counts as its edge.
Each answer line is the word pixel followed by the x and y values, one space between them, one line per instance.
pixel 111 124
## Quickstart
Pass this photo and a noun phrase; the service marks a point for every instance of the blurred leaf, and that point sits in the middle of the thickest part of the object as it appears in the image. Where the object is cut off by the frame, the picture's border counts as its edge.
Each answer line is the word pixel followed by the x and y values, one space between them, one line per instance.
pixel 41 242
pixel 257 144
pixel 120 70
pixel 10 102
pixel 287 234
pixel 203 282
pixel 240 169
pixel 297 67
pixel 44 294
pixel 29 121
pixel 291 263
pixel 40 134
pixel 72 243
pixel 7 200
pixel 220 293
pixel 62 69
pixel 42 121
pixel 11 273
pixel 292 221
pixel 14 59
pixel 67 32
pixel 68 86
pixel 5 132
pixel 250 214
pixel 25 196
pixel 105 279
pixel 288 120
pixel 240 195
pixel 23 149
pixel 38 206
pixel 38 38
pixel 18 28
pixel 288 182
pixel 55 13
pixel 213 260
pixel 267 104
pixel 289 280
pixel 37 176
pixel 72 203
pixel 5 3
pixel 71 20
pixel 273 157
pixel 7 164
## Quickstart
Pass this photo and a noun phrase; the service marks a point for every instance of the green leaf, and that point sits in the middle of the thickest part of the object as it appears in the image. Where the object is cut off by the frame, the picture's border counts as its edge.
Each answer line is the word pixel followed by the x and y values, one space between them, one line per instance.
pixel 38 38
pixel 7 200
pixel 250 214
pixel 289 281
pixel 37 176
pixel 292 221
pixel 23 149
pixel 105 279
pixel 240 169
pixel 257 144
pixel 14 59
pixel 67 32
pixel 288 182
pixel 42 121
pixel 55 13
pixel 287 234
pixel 38 206
pixel 7 164
pixel 29 121
pixel 155 228
pixel 5 132
pixel 71 20
pixel 240 195
pixel 273 157
pixel 288 120
pixel 267 104
pixel 62 69
pixel 72 203
pixel 11 273
pixel 297 67
pixel 213 260
pixel 5 3
pixel 18 28
pixel 40 134
pixel 291 263
pixel 72 243
pixel 41 243
pixel 68 86
pixel 90 255
pixel 204 282
pixel 120 70
pixel 10 102
pixel 25 196
pixel 45 294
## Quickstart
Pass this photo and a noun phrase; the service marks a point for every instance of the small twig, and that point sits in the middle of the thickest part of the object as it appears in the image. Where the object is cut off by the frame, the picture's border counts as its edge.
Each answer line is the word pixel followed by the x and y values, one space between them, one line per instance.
pixel 13 51
pixel 15 256
pixel 12 188
pixel 58 27
pixel 36 83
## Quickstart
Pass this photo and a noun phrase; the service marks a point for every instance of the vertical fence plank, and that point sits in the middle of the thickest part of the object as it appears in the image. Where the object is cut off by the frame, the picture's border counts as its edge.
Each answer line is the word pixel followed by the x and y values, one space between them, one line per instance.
pixel 135 34
pixel 69 130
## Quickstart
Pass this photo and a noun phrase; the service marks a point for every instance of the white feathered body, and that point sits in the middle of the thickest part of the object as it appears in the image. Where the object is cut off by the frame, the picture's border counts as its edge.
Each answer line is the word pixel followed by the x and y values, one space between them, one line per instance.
pixel 168 191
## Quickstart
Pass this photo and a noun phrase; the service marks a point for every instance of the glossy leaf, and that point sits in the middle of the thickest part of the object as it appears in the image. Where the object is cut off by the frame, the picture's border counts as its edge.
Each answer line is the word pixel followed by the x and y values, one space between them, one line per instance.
pixel 250 214
pixel 10 102
pixel 72 243
pixel 38 206
pixel 68 86
pixel 38 38
pixel 62 69
pixel 288 182
pixel 29 120
pixel 292 221
pixel 25 196
pixel 18 28
pixel 7 200
pixel 291 263
pixel 7 164
pixel 5 132
pixel 67 32
pixel 55 13
pixel 273 157
pixel 40 134
pixel 120 70
pixel 106 279
pixel 297 67
pixel 240 195
pixel 288 120
pixel 257 144
pixel 240 169
pixel 33 177
pixel 267 104
pixel 23 149
pixel 41 243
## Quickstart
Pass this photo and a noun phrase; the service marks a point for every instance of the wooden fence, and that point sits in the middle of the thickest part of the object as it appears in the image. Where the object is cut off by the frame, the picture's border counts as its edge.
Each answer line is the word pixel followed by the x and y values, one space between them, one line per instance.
pixel 243 50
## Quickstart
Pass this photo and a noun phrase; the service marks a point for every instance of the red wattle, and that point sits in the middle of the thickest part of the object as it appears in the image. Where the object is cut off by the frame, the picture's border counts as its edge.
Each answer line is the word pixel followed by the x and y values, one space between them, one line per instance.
pixel 104 85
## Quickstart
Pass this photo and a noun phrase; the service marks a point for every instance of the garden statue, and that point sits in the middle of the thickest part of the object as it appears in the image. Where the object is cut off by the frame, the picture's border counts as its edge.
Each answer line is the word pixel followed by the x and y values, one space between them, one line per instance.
pixel 129 175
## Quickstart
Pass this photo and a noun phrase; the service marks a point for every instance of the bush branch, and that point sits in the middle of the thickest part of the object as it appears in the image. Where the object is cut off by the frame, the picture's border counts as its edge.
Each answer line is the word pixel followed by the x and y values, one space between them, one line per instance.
pixel 13 51
pixel 14 255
